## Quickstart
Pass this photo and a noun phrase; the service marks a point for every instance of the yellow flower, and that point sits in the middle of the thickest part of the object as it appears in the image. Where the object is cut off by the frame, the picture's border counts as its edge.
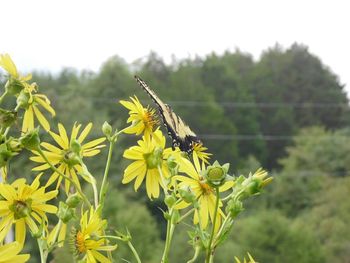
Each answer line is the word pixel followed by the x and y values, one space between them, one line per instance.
pixel 200 150
pixel 27 96
pixel 8 253
pixel 21 204
pixel 149 157
pixel 87 242
pixel 65 157
pixel 143 120
pixel 7 64
pixel 32 110
pixel 204 193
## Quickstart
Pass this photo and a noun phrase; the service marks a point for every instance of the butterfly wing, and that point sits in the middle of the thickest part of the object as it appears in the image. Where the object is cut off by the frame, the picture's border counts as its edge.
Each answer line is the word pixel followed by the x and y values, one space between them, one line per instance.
pixel 180 133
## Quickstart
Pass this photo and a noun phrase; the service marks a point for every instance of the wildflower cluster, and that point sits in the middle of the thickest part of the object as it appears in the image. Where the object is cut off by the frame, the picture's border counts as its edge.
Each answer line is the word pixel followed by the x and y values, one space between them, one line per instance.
pixel 200 193
pixel 191 185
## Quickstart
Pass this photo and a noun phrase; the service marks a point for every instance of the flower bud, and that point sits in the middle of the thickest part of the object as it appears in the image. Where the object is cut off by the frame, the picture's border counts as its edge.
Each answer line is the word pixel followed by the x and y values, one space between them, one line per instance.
pixel 216 174
pixel 175 217
pixel 14 86
pixel 65 213
pixel 107 129
pixel 31 140
pixel 24 99
pixel 234 207
pixel 5 155
pixel 187 194
pixel 154 159
pixel 7 118
pixel 73 200
pixel 75 147
pixel 170 200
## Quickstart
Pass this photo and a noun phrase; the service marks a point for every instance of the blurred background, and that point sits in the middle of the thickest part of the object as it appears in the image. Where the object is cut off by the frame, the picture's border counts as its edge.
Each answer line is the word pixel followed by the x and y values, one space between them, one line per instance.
pixel 263 83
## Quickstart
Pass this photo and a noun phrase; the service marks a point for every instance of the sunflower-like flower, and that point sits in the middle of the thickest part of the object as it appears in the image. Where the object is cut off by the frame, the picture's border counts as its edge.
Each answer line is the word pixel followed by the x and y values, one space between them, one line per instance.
pixel 66 157
pixel 9 253
pixel 203 192
pixel 86 242
pixel 143 120
pixel 31 102
pixel 27 96
pixel 200 150
pixel 16 82
pixel 24 205
pixel 149 158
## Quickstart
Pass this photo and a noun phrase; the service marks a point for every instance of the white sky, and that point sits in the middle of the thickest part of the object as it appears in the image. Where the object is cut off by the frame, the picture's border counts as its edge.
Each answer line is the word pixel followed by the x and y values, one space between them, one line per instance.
pixel 49 35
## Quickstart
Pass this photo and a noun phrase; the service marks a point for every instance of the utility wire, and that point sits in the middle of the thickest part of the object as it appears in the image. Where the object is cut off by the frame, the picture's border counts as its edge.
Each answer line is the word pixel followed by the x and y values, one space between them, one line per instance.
pixel 229 104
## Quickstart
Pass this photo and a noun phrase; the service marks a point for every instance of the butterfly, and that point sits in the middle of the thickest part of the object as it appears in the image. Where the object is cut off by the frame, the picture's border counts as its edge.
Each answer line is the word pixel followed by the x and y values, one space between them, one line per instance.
pixel 182 136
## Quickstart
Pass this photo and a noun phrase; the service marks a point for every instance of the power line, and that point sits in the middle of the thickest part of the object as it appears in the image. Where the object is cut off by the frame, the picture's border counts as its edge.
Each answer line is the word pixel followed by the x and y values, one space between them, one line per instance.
pixel 230 104
pixel 252 137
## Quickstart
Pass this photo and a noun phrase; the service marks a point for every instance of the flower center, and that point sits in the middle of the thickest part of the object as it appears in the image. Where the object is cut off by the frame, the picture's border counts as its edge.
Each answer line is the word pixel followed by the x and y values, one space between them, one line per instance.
pixel 149 119
pixel 21 209
pixel 80 242
pixel 206 189
pixel 70 158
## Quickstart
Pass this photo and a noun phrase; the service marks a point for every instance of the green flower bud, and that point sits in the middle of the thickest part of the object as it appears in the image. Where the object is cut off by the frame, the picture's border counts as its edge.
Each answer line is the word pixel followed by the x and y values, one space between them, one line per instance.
pixel 166 215
pixel 65 213
pixel 5 154
pixel 216 174
pixel 107 129
pixel 187 195
pixel 176 217
pixel 23 99
pixel 14 86
pixel 173 167
pixel 170 200
pixel 75 147
pixel 73 200
pixel 71 158
pixel 154 159
pixel 31 140
pixel 7 118
pixel 39 233
pixel 234 207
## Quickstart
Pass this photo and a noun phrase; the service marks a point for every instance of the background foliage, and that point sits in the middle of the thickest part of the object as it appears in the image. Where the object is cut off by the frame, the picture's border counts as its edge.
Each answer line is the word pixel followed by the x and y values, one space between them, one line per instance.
pixel 286 111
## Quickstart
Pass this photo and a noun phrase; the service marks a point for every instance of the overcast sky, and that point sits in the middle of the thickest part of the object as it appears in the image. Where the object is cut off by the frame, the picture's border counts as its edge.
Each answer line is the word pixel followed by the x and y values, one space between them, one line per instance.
pixel 49 35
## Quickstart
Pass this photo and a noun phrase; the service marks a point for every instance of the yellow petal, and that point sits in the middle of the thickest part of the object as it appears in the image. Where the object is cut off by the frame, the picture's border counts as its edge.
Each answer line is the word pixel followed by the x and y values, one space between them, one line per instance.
pixel 59 140
pixel 42 120
pixel 20 231
pixel 45 104
pixel 93 143
pixel 63 134
pixel 84 133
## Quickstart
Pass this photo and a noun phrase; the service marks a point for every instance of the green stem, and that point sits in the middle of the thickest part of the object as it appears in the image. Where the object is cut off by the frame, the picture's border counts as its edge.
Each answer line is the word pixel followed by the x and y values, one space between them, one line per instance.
pixel 186 215
pixel 134 252
pixel 210 253
pixel 132 248
pixel 3 96
pixel 43 252
pixel 169 236
pixel 196 253
pixel 103 189
pixel 93 183
pixel 86 200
